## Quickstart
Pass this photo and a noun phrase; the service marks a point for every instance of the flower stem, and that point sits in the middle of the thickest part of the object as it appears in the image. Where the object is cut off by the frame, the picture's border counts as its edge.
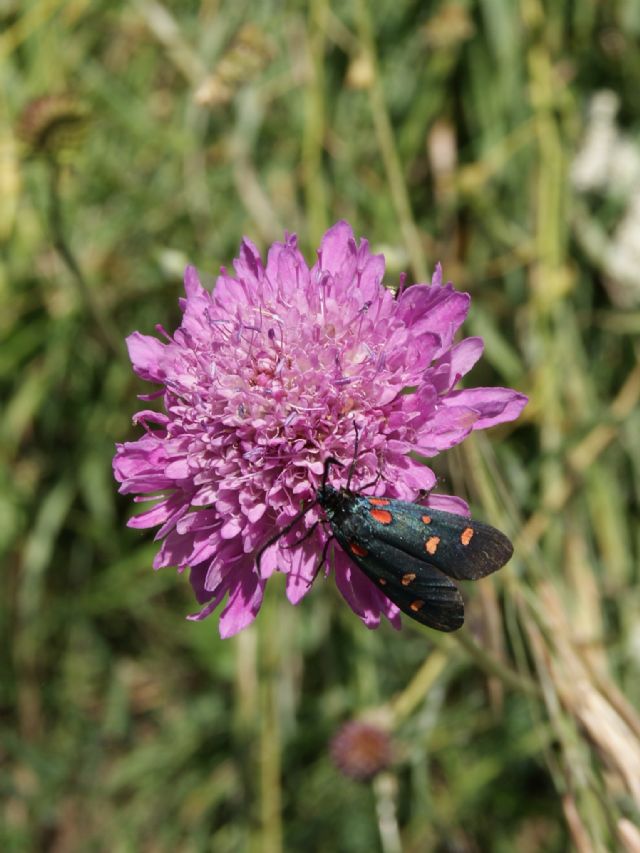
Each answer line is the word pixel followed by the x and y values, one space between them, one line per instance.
pixel 413 694
pixel 385 789
pixel 491 665
pixel 314 126
pixel 105 328
pixel 270 734
pixel 386 143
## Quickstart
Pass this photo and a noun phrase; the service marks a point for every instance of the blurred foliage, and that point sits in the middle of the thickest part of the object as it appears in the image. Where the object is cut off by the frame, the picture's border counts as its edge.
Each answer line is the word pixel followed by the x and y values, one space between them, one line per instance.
pixel 442 131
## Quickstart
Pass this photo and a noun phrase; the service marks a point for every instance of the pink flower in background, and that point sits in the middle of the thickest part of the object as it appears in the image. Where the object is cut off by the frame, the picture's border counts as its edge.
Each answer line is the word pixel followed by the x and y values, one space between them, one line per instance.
pixel 361 750
pixel 262 382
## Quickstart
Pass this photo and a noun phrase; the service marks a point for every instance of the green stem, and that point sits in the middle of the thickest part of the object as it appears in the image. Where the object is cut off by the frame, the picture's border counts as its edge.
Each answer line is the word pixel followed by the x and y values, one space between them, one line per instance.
pixel 314 126
pixel 491 665
pixel 107 331
pixel 270 768
pixel 390 157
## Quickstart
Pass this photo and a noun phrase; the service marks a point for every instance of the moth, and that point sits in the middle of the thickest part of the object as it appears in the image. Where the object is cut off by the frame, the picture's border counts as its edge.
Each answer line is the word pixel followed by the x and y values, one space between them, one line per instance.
pixel 412 553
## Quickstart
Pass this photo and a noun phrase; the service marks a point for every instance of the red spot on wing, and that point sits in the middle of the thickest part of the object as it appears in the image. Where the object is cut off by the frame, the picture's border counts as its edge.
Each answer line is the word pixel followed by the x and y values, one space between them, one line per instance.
pixel 426 519
pixel 416 605
pixel 358 550
pixel 465 536
pixel 431 545
pixel 382 516
pixel 379 501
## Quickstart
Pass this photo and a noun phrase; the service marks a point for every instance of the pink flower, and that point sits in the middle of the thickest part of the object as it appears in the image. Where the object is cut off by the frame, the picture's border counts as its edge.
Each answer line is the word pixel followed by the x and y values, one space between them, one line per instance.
pixel 262 382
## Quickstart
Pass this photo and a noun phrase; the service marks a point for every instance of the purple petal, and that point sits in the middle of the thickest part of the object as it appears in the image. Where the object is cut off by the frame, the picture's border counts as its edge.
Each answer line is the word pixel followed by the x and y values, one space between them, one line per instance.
pixel 231 528
pixel 338 254
pixel 243 605
pixel 223 565
pixel 152 517
pixel 446 428
pixel 449 503
pixel 201 520
pixel 416 476
pixel 440 310
pixel 197 575
pixel 284 258
pixel 248 265
pixel 213 601
pixel 177 469
pixel 370 272
pixel 149 416
pixel 256 512
pixel 269 561
pixel 147 354
pixel 227 293
pixel 363 597
pixel 463 356
pixel 344 573
pixel 192 285
pixel 493 405
pixel 176 550
pixel 369 599
pixel 204 546
pixel 302 572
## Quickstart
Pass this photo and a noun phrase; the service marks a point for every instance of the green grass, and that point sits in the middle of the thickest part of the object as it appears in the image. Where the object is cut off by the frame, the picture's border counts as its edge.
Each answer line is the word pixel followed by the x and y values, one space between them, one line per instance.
pixel 442 132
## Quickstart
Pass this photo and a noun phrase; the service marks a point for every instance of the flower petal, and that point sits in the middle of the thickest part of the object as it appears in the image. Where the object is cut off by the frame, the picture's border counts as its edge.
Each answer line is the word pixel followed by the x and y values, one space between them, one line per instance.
pixel 446 428
pixel 147 356
pixel 462 357
pixel 244 603
pixel 302 571
pixel 248 265
pixel 158 514
pixel 192 285
pixel 449 503
pixel 428 308
pixel 493 405
pixel 207 610
pixel 338 254
pixel 370 273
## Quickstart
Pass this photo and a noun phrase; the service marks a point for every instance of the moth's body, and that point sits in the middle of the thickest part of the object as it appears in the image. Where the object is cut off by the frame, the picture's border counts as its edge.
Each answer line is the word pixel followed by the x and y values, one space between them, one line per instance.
pixel 410 551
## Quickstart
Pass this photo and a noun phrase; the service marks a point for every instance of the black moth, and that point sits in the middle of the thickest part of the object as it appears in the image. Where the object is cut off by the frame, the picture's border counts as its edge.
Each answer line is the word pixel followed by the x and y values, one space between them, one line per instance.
pixel 409 551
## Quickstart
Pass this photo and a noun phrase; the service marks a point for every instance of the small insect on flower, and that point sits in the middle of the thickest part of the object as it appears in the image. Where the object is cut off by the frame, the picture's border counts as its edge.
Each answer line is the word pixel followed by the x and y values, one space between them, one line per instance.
pixel 409 551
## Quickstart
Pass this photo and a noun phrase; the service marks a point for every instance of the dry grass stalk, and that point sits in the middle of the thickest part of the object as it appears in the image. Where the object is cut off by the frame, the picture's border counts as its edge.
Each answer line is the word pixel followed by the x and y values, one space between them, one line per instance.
pixel 616 741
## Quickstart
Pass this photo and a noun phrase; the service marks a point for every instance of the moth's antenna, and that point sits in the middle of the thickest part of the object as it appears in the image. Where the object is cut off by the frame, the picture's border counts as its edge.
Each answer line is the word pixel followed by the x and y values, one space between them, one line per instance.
pixel 325 474
pixel 352 467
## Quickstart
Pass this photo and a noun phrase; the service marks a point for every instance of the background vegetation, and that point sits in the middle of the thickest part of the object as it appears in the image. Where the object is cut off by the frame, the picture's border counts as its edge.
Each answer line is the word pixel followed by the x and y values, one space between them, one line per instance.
pixel 442 131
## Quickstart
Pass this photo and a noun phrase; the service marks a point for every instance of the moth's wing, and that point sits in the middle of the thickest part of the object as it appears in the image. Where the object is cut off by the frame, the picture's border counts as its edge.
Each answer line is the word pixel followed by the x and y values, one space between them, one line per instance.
pixel 416 587
pixel 462 548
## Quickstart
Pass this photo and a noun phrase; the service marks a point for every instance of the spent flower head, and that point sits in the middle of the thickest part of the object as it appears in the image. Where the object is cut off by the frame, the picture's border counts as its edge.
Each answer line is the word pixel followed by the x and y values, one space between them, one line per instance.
pixel 54 126
pixel 264 380
pixel 361 750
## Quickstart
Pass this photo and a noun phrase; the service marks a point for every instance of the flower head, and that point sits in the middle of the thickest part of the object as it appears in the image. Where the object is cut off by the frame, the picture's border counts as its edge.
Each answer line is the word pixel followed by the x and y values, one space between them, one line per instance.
pixel 264 380
pixel 361 750
pixel 54 125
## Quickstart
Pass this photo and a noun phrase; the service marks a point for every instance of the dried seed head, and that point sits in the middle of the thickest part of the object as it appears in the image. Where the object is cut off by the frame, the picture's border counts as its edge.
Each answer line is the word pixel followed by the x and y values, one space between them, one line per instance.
pixel 361 750
pixel 53 124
